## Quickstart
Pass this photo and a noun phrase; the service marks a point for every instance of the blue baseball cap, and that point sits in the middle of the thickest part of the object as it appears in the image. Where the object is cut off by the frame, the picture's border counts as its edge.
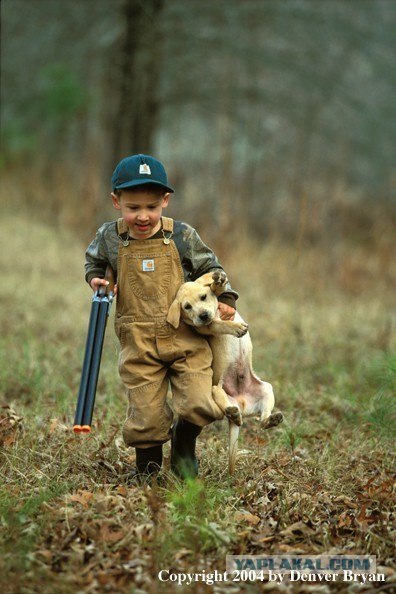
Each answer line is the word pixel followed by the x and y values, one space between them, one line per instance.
pixel 137 170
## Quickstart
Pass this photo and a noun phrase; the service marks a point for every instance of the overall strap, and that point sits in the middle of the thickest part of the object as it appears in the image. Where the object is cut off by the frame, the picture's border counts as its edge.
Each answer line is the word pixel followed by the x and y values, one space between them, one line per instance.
pixel 122 227
pixel 167 224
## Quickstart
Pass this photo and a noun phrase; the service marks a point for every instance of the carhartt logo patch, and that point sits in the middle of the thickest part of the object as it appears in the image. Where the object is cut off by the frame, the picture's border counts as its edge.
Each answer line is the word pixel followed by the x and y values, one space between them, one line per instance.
pixel 148 265
pixel 145 169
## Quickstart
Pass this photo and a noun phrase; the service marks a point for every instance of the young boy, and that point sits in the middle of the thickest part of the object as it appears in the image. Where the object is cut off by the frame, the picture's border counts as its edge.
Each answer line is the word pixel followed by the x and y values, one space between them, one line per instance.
pixel 152 256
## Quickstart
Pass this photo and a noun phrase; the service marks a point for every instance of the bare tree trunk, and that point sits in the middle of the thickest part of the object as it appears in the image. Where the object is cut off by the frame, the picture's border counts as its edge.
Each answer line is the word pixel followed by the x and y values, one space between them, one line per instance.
pixel 137 79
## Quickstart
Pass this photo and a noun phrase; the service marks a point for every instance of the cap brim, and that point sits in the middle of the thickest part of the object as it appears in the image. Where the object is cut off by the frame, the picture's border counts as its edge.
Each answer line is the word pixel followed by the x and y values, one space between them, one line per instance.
pixel 141 182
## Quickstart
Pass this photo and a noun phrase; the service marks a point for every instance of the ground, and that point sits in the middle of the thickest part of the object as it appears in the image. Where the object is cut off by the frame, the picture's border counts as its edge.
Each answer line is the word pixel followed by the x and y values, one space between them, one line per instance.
pixel 323 331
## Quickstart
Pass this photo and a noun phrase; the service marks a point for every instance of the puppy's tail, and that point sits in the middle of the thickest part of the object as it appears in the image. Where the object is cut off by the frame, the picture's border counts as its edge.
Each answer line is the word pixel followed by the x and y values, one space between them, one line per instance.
pixel 233 445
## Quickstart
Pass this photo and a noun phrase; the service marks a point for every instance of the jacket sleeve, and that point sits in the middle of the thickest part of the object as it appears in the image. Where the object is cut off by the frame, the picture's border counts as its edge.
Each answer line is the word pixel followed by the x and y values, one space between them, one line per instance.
pixel 200 259
pixel 96 257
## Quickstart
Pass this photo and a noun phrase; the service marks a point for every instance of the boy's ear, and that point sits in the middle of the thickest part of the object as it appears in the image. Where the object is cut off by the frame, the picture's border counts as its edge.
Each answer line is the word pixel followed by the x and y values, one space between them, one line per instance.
pixel 116 201
pixel 165 200
pixel 173 317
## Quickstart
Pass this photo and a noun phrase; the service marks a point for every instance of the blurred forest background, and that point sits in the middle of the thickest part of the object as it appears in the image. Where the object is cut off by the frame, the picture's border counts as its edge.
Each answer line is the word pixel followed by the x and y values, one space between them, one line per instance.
pixel 274 118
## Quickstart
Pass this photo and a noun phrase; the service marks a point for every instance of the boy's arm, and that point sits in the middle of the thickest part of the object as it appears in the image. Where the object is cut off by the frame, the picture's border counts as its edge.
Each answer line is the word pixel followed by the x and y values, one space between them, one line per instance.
pixel 200 259
pixel 96 258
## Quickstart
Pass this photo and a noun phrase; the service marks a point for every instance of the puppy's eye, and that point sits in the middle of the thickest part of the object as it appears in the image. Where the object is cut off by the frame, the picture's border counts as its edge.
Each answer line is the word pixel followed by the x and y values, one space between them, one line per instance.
pixel 203 297
pixel 187 306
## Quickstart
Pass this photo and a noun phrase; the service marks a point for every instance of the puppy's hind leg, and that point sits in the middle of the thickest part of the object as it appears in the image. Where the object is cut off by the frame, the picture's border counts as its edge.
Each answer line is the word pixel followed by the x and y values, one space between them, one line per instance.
pixel 267 418
pixel 233 446
pixel 273 420
pixel 233 414
pixel 230 410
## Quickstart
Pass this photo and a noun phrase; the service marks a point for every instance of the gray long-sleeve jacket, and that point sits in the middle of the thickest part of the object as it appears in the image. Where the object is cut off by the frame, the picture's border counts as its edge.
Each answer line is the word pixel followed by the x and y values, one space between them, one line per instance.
pixel 195 256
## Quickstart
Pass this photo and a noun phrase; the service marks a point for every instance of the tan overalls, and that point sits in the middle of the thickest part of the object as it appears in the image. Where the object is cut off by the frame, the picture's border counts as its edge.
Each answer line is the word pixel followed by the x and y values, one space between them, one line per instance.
pixel 153 352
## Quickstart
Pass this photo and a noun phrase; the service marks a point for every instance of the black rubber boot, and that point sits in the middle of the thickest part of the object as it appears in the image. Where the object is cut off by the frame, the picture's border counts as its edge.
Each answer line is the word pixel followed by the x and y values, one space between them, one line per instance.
pixel 149 460
pixel 183 460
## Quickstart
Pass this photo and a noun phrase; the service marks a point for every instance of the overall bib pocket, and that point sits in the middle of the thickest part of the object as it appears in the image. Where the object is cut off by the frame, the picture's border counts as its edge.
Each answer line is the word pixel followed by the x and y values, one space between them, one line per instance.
pixel 149 274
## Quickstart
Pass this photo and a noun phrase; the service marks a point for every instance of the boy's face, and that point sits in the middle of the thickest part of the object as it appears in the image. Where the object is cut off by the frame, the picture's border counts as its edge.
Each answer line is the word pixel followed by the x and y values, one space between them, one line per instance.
pixel 141 210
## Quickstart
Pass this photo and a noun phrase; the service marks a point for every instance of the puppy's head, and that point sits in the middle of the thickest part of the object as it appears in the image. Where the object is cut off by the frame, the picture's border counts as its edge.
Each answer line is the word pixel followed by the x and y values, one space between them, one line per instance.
pixel 195 304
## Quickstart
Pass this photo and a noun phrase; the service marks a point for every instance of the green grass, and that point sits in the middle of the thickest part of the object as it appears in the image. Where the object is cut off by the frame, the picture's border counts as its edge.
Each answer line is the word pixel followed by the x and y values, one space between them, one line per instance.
pixel 380 408
pixel 70 519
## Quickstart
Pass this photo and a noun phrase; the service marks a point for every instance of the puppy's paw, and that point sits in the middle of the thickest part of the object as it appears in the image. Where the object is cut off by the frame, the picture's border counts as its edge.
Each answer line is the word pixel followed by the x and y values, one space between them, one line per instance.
pixel 273 420
pixel 233 414
pixel 239 329
pixel 219 278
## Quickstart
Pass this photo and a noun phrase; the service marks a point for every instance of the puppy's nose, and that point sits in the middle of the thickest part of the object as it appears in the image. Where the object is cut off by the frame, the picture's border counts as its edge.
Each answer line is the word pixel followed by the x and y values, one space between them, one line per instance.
pixel 204 316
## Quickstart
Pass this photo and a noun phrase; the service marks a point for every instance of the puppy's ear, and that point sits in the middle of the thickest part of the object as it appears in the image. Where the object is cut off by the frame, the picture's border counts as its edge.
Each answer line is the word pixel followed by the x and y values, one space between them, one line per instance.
pixel 206 279
pixel 173 317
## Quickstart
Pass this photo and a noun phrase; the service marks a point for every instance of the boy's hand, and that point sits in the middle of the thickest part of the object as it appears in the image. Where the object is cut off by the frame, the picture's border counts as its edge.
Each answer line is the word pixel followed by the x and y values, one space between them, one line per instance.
pixel 226 311
pixel 98 282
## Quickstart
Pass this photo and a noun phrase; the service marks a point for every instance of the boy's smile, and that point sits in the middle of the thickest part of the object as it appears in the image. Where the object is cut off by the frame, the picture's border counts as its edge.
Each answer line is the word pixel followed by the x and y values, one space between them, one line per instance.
pixel 141 210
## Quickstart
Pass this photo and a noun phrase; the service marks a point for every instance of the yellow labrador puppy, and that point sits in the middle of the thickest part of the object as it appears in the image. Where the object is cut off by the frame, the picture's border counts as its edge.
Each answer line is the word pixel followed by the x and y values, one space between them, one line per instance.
pixel 236 389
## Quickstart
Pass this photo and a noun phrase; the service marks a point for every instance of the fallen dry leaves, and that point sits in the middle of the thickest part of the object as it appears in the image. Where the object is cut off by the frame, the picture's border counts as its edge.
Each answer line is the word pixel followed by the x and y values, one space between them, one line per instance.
pixel 10 426
pixel 109 534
